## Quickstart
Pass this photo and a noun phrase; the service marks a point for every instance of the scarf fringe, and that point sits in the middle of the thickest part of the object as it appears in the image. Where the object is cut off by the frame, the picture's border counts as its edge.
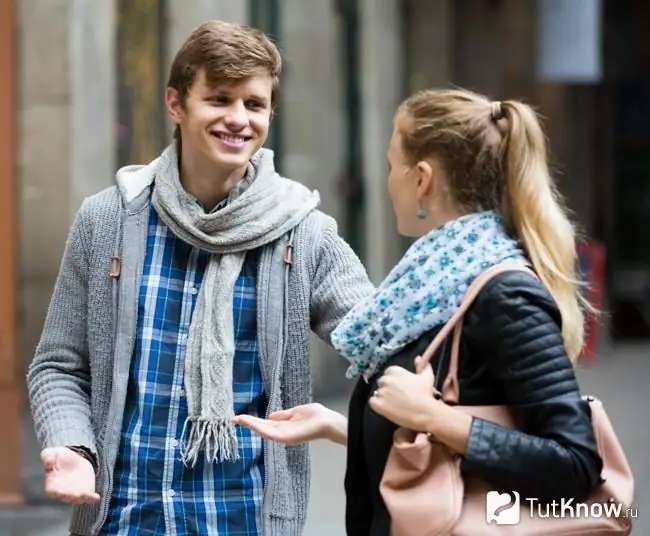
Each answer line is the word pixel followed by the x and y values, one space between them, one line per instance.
pixel 217 439
pixel 265 208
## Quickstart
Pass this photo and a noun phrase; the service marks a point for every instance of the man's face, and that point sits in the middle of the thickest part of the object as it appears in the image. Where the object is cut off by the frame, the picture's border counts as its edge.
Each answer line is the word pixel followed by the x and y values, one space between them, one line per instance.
pixel 226 124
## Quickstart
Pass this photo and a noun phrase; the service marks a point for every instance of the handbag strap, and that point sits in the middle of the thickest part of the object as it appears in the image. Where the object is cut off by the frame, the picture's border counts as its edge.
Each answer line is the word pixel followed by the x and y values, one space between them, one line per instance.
pixel 450 387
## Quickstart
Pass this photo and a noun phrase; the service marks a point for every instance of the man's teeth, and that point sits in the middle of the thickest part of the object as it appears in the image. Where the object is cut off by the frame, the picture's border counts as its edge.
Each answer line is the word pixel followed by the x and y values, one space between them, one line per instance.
pixel 232 139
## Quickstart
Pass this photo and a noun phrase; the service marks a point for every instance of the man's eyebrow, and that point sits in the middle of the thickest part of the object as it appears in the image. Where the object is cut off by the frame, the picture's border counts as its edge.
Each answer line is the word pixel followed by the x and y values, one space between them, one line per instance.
pixel 260 98
pixel 227 92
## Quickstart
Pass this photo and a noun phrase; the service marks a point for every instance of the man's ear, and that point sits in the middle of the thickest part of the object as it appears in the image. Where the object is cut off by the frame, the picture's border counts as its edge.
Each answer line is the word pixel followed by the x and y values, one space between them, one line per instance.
pixel 174 105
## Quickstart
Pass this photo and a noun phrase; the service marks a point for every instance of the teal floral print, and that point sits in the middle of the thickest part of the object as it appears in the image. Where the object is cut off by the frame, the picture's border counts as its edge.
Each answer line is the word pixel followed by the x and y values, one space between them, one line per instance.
pixel 423 290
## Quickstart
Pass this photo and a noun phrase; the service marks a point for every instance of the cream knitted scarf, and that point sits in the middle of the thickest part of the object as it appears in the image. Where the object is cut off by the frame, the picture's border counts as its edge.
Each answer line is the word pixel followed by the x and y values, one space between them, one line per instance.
pixel 269 208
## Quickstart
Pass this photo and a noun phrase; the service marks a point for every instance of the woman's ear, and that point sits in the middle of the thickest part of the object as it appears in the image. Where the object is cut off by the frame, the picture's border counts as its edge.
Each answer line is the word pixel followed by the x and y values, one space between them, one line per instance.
pixel 424 179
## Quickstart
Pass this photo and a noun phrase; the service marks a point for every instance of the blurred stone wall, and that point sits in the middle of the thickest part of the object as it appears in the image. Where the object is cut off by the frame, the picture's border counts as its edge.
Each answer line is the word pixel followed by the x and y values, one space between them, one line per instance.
pixel 89 79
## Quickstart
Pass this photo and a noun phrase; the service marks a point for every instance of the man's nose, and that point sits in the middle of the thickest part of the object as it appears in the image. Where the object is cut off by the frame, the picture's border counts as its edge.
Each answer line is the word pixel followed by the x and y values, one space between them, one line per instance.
pixel 237 115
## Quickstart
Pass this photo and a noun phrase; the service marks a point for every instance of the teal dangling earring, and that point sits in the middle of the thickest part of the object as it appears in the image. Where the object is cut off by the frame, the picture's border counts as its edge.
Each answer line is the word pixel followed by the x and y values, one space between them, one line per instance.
pixel 421 214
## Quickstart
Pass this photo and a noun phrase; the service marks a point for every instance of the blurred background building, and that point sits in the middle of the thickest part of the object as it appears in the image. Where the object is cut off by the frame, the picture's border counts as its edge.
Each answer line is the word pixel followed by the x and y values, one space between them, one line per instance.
pixel 83 89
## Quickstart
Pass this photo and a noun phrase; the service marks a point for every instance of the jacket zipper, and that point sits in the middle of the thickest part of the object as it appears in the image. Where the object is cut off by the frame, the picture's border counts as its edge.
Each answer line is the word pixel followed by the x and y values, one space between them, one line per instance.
pixel 288 260
pixel 116 377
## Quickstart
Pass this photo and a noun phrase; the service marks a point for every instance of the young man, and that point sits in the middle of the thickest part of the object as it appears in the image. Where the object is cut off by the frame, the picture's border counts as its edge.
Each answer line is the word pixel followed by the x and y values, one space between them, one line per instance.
pixel 186 296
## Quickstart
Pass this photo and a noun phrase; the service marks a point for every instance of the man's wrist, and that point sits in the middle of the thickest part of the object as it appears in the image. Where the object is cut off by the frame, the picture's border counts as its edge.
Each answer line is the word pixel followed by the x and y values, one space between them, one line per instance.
pixel 336 428
pixel 87 454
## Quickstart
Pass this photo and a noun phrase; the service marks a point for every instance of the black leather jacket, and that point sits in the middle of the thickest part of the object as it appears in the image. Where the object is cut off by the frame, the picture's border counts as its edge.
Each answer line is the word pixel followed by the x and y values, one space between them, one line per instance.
pixel 511 352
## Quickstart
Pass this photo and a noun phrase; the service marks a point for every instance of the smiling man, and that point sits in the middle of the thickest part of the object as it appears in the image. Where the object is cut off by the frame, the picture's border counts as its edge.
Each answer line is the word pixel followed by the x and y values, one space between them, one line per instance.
pixel 186 296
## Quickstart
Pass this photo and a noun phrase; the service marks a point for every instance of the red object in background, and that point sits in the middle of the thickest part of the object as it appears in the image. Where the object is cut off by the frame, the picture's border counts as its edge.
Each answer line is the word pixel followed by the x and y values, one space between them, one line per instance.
pixel 591 257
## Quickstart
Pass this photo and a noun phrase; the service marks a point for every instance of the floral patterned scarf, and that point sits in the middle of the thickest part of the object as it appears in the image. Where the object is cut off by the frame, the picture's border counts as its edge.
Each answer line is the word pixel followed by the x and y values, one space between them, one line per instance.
pixel 424 289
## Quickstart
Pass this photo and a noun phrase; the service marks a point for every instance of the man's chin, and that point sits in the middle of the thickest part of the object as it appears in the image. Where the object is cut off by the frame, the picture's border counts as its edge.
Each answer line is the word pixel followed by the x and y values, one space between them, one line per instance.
pixel 231 162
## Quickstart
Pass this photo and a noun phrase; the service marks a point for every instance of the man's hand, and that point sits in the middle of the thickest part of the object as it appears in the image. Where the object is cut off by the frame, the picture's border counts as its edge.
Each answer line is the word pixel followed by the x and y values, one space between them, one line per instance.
pixel 69 477
pixel 298 425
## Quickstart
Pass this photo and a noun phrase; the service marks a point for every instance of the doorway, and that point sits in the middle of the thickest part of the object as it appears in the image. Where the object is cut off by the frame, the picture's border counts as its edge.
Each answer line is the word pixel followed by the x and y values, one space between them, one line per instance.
pixel 628 244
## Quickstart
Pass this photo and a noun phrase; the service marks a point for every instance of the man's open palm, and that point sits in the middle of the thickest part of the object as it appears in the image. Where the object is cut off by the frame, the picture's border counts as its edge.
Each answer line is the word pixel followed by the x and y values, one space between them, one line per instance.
pixel 69 477
pixel 290 426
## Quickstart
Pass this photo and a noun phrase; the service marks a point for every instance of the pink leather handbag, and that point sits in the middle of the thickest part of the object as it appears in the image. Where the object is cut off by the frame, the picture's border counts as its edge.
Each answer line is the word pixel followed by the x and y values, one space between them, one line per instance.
pixel 426 495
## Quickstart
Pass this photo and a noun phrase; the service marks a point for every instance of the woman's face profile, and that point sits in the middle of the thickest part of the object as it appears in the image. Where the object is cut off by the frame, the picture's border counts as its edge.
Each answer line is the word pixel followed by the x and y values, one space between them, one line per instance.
pixel 401 186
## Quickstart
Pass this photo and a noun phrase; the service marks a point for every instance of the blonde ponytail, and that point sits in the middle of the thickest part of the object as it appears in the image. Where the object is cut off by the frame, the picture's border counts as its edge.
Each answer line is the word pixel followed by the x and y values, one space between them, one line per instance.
pixel 533 208
pixel 478 141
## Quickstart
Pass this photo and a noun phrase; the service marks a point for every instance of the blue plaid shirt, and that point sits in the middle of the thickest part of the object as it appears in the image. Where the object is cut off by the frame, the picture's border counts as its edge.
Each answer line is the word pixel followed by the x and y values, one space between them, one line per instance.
pixel 153 492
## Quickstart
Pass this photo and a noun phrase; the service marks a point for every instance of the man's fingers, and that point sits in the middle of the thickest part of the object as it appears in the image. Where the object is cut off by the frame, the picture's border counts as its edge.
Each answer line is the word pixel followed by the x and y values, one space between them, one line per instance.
pixel 48 458
pixel 249 420
pixel 71 497
pixel 81 498
pixel 260 426
pixel 241 419
pixel 89 498
pixel 282 415
pixel 61 495
pixel 281 431
pixel 252 422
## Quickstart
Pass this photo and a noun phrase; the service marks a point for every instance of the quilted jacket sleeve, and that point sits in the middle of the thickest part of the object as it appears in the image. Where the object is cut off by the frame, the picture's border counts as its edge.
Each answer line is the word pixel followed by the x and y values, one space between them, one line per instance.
pixel 554 455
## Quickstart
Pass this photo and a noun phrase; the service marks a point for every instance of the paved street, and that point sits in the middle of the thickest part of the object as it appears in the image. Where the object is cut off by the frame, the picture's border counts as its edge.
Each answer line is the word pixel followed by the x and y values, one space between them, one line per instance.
pixel 621 380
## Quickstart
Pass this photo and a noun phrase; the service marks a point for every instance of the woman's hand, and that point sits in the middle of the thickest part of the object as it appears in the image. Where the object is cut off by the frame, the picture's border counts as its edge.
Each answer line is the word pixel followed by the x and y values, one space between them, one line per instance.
pixel 299 425
pixel 407 400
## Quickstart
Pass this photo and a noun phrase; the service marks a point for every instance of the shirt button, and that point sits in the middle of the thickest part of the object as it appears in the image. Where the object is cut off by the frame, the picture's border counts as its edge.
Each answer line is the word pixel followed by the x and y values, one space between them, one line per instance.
pixel 171 493
pixel 181 392
pixel 194 291
pixel 174 443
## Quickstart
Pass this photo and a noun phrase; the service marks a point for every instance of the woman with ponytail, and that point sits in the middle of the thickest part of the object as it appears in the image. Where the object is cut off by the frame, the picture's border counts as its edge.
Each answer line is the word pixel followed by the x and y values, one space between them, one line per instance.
pixel 469 179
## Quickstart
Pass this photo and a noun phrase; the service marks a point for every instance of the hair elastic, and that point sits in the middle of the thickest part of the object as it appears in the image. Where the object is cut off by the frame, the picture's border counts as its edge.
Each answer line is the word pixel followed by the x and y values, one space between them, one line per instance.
pixel 497 112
